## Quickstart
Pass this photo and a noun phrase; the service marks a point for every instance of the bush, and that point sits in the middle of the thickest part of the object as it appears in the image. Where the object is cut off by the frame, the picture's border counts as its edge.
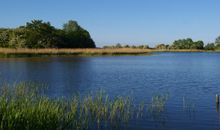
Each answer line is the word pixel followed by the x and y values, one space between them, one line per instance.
pixel 39 34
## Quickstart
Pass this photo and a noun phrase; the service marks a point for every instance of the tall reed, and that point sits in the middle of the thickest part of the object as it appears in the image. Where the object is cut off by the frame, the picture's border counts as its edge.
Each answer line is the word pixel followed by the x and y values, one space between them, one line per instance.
pixel 24 107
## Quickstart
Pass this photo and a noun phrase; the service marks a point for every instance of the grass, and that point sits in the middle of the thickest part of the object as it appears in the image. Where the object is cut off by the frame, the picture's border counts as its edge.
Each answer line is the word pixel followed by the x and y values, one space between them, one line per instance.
pixel 158 103
pixel 4 52
pixel 24 107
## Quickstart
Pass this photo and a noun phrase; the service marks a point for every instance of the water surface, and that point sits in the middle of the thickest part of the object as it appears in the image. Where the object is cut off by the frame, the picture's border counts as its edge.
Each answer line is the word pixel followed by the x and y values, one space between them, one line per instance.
pixel 191 79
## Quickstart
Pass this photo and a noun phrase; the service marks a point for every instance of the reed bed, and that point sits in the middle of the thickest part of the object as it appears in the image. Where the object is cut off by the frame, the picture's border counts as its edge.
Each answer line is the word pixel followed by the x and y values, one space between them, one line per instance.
pixel 7 52
pixel 158 103
pixel 80 52
pixel 24 107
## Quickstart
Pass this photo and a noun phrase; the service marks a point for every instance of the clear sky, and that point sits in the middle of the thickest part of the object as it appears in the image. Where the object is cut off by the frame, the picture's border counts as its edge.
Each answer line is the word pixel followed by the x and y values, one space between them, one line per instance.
pixel 123 21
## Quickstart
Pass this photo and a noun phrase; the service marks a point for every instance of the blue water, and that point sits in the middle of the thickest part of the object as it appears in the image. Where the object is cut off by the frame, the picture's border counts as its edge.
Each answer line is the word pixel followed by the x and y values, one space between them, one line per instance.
pixel 191 79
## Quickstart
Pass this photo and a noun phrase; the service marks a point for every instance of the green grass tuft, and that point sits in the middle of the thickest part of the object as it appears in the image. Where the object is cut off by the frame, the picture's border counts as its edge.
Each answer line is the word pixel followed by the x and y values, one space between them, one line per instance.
pixel 24 107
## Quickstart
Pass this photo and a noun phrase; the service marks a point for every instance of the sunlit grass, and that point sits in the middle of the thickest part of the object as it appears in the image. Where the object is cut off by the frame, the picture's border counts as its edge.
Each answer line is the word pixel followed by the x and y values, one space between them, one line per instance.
pixel 24 52
pixel 78 52
pixel 23 107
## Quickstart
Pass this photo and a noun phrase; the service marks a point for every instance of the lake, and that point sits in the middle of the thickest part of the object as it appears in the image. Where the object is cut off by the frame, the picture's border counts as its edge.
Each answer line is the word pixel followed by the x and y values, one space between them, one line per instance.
pixel 191 80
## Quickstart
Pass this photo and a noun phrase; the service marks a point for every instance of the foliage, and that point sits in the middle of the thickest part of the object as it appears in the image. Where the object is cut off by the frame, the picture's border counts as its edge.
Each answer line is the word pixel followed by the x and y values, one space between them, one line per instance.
pixel 76 34
pixel 4 38
pixel 187 44
pixel 210 46
pixel 217 41
pixel 162 46
pixel 118 45
pixel 71 26
pixel 39 34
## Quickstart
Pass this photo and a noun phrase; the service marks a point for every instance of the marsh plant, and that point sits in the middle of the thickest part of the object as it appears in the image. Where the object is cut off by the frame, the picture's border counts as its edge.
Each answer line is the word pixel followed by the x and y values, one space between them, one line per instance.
pixel 189 107
pixel 157 109
pixel 24 107
pixel 158 103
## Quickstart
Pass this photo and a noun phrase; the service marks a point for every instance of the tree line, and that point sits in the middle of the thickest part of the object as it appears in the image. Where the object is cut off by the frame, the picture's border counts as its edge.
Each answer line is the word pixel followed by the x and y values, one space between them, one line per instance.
pixel 187 43
pixel 118 45
pixel 39 34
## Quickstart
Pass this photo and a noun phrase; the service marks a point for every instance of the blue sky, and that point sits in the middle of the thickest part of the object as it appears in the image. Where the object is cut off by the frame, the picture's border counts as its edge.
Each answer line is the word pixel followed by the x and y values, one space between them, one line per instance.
pixel 123 21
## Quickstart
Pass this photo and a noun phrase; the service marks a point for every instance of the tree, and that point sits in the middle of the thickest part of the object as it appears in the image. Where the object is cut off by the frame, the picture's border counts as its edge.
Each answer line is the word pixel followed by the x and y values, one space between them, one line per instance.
pixel 197 45
pixel 118 45
pixel 71 26
pixel 146 47
pixel 217 42
pixel 126 46
pixel 76 36
pixel 162 46
pixel 4 38
pixel 143 47
pixel 210 46
pixel 39 34
pixel 187 44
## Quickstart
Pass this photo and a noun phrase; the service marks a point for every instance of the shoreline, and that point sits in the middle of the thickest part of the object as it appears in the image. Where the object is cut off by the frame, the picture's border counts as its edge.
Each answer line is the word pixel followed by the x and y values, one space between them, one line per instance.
pixel 6 52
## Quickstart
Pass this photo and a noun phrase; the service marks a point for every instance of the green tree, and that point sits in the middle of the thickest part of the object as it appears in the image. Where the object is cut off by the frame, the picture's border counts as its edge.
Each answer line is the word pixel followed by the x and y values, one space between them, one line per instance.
pixel 17 38
pixel 39 34
pixel 133 46
pixel 162 46
pixel 197 45
pixel 210 46
pixel 187 44
pixel 4 38
pixel 71 26
pixel 146 47
pixel 76 36
pixel 217 42
pixel 118 45
pixel 143 47
pixel 126 46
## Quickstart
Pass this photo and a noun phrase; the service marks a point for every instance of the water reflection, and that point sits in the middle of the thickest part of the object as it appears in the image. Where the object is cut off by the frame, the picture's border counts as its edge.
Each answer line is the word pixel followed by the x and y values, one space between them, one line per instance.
pixel 191 77
pixel 217 102
pixel 63 75
pixel 189 107
pixel 157 110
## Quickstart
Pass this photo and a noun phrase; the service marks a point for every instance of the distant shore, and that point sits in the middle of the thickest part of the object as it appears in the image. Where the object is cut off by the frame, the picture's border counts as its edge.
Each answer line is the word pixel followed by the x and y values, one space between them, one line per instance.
pixel 6 52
